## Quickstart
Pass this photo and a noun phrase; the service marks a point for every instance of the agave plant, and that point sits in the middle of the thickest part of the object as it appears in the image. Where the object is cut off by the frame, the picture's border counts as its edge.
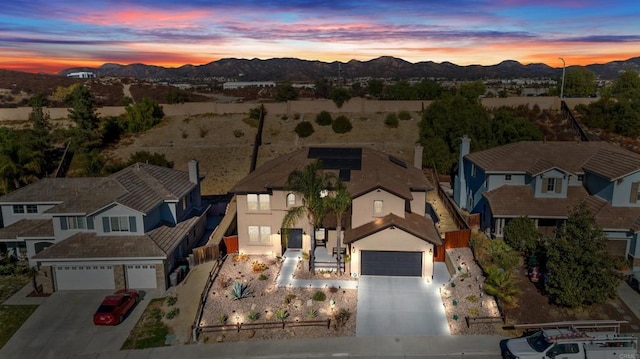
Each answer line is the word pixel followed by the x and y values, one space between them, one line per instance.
pixel 240 290
pixel 253 315
pixel 282 314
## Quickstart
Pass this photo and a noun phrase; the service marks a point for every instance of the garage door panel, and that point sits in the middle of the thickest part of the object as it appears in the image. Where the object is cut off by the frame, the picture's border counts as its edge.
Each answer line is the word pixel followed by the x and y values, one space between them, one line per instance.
pixel 84 277
pixel 141 276
pixel 391 263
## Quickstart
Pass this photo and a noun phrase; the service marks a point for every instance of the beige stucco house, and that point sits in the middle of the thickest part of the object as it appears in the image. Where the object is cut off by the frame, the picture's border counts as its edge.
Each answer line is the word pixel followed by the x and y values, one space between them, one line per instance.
pixel 387 230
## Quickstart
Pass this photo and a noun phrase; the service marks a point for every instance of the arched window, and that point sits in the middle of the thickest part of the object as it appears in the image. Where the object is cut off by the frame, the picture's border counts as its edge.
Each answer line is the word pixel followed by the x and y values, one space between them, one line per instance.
pixel 291 200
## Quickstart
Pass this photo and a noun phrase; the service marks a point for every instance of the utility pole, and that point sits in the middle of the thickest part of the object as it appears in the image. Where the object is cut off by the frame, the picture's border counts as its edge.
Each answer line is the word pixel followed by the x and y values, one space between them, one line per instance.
pixel 562 87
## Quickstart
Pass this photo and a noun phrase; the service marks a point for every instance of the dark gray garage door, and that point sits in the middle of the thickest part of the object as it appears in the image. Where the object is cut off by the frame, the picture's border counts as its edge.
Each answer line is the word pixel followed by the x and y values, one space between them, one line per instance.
pixel 408 264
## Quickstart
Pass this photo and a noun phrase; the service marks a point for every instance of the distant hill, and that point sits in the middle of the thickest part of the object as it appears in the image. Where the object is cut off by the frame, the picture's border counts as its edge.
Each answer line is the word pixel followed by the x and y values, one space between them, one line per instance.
pixel 292 69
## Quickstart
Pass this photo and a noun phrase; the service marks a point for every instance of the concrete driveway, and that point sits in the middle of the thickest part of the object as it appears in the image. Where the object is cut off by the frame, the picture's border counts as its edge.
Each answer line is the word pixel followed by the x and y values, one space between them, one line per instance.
pixel 63 326
pixel 399 306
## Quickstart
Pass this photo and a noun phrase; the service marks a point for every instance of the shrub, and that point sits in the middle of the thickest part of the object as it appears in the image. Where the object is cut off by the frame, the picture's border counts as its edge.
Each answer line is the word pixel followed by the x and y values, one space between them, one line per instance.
pixel 312 313
pixel 240 290
pixel 333 290
pixel 222 318
pixel 289 298
pixel 238 133
pixel 319 296
pixel 404 115
pixel 284 117
pixel 203 131
pixel 263 277
pixel 474 312
pixel 282 314
pixel 324 118
pixel 254 113
pixel 172 300
pixel 342 317
pixel 173 313
pixel 304 129
pixel 341 125
pixel 224 281
pixel 391 120
pixel 258 267
pixel 472 299
pixel 305 256
pixel 253 315
pixel 296 116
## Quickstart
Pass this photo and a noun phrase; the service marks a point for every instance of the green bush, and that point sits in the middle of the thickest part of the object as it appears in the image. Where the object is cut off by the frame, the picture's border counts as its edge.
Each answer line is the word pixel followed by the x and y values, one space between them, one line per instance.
pixel 391 120
pixel 312 313
pixel 404 115
pixel 319 296
pixel 304 129
pixel 222 318
pixel 341 125
pixel 289 298
pixel 263 277
pixel 324 118
pixel 282 314
pixel 172 300
pixel 253 315
pixel 172 313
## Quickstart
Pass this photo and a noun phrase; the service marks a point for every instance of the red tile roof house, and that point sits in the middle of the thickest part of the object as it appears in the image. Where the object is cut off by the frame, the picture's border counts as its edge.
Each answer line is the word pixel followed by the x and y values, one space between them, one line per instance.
pixel 545 179
pixel 386 230
pixel 127 230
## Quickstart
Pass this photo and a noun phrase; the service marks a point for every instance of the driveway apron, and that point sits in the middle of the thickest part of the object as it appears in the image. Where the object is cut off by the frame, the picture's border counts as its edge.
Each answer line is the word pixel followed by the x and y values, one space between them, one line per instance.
pixel 399 306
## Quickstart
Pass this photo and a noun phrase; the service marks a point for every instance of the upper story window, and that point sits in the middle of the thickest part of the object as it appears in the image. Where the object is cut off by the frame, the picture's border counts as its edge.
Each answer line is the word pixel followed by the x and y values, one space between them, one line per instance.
pixel 291 200
pixel 378 207
pixel 119 224
pixel 21 209
pixel 580 178
pixel 258 202
pixel 507 177
pixel 259 234
pixel 76 223
pixel 551 184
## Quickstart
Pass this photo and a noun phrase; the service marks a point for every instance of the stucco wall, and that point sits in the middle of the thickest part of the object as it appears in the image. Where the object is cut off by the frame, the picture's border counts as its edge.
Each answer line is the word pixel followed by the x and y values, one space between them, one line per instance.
pixel 393 240
pixel 362 207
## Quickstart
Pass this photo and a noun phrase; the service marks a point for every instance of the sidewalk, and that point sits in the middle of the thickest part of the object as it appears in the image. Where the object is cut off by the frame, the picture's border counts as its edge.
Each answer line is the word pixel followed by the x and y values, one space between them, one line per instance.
pixel 20 297
pixel 631 298
pixel 285 278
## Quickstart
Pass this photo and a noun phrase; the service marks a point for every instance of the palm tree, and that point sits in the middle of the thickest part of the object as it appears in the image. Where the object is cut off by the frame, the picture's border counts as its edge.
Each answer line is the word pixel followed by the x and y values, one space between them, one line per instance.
pixel 311 183
pixel 339 201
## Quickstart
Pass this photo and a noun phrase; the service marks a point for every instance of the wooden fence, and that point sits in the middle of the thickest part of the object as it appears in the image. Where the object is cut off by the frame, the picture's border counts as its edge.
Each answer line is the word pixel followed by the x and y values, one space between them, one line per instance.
pixel 265 325
pixel 459 220
pixel 205 254
pixel 203 297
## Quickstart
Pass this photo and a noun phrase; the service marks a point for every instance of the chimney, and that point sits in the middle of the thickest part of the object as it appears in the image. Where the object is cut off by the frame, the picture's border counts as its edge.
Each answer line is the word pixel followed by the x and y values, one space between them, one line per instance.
pixel 194 172
pixel 417 156
pixel 465 146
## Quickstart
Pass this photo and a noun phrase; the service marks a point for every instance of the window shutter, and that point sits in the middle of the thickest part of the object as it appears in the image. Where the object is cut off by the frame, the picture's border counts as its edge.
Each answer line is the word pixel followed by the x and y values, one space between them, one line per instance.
pixel 634 192
pixel 132 224
pixel 63 223
pixel 545 184
pixel 105 225
pixel 558 185
pixel 90 223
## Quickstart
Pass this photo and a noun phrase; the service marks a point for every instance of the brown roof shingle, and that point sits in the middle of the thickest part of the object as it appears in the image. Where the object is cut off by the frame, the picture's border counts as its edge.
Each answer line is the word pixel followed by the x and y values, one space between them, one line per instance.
pixel 515 201
pixel 377 171
pixel 50 190
pixel 419 226
pixel 531 157
pixel 30 228
pixel 89 246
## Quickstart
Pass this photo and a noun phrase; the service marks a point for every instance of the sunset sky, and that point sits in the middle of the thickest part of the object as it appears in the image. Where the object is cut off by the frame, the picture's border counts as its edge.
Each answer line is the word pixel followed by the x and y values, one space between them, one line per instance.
pixel 52 35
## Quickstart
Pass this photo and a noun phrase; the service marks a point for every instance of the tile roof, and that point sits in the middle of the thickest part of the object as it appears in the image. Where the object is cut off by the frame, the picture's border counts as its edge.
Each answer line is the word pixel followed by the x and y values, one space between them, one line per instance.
pixel 419 226
pixel 378 170
pixel 30 228
pixel 157 243
pixel 609 217
pixel 515 201
pixel 87 245
pixel 49 190
pixel 141 187
pixel 532 157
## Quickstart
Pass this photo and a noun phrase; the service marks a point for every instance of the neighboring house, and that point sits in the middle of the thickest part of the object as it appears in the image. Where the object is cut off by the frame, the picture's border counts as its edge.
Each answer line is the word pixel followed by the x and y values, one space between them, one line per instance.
pixel 544 180
pixel 128 230
pixel 386 230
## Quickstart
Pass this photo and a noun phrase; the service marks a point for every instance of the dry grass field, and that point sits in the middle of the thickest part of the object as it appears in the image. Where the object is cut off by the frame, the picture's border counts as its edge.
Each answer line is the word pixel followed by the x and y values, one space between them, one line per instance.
pixel 225 155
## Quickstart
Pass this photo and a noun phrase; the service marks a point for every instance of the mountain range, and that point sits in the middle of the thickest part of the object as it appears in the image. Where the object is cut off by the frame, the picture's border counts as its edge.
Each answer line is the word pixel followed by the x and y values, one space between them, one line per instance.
pixel 297 70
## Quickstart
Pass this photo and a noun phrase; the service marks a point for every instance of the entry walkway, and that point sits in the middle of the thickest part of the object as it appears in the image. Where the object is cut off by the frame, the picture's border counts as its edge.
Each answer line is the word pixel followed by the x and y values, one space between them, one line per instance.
pixel 285 278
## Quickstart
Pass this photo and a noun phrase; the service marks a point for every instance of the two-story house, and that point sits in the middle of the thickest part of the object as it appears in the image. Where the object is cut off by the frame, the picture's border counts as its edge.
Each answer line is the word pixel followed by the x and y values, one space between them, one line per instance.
pixel 127 230
pixel 386 230
pixel 544 180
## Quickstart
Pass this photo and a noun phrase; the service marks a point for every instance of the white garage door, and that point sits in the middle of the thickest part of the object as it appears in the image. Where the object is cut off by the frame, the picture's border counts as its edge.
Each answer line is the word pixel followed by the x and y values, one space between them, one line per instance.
pixel 141 276
pixel 84 277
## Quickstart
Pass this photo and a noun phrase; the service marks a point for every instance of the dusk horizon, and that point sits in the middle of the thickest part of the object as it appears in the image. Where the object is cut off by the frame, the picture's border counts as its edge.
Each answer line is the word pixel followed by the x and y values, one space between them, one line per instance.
pixel 38 36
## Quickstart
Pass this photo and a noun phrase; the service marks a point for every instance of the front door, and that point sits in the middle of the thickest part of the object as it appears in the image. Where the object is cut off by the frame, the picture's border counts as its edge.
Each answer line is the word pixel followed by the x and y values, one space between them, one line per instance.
pixel 295 238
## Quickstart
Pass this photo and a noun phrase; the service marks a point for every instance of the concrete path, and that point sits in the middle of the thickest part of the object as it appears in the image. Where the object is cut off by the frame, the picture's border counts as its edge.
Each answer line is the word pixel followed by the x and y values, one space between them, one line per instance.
pixel 399 306
pixel 631 298
pixel 285 277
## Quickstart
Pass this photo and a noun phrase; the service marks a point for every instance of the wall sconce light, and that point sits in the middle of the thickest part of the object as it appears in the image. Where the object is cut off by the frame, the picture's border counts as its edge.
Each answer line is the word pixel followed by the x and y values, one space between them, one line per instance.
pixel 392 227
pixel 430 250
pixel 278 231
pixel 304 233
pixel 353 249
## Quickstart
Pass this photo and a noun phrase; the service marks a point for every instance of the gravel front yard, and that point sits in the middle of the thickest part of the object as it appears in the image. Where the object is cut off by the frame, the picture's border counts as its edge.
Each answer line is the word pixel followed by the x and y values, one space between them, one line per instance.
pixel 260 273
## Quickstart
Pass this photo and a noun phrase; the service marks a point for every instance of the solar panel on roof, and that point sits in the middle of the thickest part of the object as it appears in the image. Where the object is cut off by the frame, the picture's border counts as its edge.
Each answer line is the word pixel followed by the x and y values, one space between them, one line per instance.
pixel 338 158
pixel 344 175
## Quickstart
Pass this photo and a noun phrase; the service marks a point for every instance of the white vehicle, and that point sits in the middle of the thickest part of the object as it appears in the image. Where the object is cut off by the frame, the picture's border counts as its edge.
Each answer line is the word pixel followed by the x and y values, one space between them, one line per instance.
pixel 572 340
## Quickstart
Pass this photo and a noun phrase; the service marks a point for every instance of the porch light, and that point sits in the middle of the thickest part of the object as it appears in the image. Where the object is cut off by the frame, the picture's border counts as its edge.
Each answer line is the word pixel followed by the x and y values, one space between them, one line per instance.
pixel 430 250
pixel 353 249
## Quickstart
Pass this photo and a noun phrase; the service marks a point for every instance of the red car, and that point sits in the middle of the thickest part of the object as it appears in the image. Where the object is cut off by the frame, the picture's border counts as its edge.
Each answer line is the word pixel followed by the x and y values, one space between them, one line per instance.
pixel 115 307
